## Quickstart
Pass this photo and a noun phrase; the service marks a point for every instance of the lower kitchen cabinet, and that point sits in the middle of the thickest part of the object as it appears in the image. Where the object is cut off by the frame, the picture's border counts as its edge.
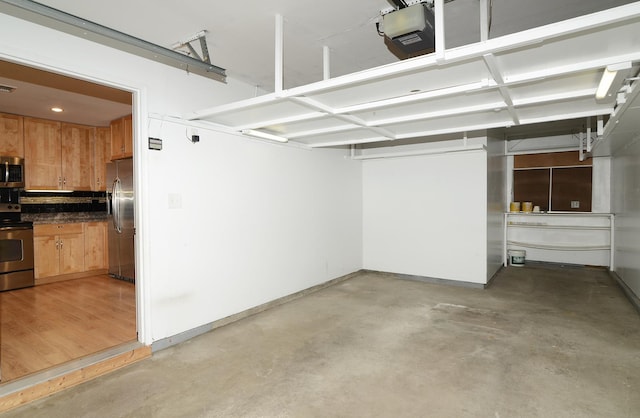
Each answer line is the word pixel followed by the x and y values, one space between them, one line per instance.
pixel 58 249
pixel 69 250
pixel 95 246
pixel 46 255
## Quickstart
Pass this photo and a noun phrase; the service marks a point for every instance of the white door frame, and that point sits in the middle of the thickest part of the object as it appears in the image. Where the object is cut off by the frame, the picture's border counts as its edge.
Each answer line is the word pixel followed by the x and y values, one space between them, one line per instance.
pixel 139 122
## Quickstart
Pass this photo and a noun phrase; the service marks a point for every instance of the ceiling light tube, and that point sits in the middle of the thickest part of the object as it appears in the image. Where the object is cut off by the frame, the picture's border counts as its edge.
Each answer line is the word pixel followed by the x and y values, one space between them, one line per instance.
pixel 264 135
pixel 612 79
pixel 605 83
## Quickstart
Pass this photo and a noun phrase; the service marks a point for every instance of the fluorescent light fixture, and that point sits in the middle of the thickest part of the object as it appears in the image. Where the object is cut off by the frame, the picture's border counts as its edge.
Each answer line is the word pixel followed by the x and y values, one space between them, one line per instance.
pixel 264 135
pixel 56 109
pixel 612 79
pixel 605 83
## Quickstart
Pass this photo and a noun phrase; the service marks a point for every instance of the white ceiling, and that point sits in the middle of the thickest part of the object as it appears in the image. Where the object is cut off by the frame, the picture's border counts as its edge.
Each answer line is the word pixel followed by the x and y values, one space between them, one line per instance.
pixel 241 34
pixel 539 75
pixel 36 100
pixel 241 39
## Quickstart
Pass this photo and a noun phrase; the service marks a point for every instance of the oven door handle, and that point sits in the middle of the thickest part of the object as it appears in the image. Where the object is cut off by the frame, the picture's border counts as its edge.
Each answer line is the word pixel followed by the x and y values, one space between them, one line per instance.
pixel 6 173
pixel 14 228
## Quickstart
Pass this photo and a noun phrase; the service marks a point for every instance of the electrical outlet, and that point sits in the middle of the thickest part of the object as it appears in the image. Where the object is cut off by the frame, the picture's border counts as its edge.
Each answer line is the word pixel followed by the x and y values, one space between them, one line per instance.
pixel 575 204
pixel 175 201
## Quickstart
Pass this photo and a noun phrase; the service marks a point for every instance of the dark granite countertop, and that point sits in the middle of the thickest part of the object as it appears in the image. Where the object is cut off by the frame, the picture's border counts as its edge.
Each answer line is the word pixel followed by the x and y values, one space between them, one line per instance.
pixel 64 217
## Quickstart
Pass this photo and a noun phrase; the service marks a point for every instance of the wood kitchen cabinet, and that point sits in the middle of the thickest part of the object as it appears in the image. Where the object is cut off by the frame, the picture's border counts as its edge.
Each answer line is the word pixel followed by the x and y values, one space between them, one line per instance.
pixel 122 138
pixel 11 135
pixel 43 154
pixel 57 155
pixel 95 246
pixel 76 156
pixel 58 249
pixel 69 251
pixel 101 146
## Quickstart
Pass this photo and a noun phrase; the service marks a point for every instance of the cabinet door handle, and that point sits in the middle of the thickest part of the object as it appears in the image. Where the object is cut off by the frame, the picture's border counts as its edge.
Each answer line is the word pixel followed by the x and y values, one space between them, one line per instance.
pixel 61 244
pixel 57 245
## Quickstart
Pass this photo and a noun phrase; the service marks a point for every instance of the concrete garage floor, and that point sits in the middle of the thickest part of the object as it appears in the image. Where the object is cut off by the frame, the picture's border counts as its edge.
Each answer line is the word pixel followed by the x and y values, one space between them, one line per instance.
pixel 541 341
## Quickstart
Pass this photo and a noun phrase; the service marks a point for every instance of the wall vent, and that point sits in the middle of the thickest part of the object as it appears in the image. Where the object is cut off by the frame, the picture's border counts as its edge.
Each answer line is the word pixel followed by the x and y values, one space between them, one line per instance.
pixel 6 89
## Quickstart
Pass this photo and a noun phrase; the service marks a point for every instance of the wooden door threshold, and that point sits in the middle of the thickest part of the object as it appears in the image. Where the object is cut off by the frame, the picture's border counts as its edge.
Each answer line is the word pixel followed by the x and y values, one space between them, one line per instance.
pixel 55 379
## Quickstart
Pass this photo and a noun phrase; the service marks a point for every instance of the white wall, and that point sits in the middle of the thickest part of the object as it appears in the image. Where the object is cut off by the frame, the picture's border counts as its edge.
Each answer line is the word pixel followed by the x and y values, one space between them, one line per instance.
pixel 168 90
pixel 496 198
pixel 625 189
pixel 255 221
pixel 601 185
pixel 426 215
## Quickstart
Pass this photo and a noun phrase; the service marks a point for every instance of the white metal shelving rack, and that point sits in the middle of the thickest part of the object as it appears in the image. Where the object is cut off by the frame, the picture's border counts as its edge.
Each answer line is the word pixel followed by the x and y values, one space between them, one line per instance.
pixel 560 231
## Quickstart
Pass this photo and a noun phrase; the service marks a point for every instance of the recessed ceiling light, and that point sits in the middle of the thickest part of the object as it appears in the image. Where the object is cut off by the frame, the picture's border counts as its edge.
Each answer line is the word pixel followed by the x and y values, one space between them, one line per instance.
pixel 56 109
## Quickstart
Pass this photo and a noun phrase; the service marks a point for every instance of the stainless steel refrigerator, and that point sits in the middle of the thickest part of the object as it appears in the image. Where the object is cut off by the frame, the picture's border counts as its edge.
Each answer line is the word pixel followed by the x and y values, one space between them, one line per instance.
pixel 120 200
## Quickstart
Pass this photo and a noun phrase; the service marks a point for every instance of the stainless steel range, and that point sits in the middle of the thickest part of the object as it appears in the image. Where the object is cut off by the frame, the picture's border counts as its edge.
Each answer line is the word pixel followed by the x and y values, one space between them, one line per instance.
pixel 16 243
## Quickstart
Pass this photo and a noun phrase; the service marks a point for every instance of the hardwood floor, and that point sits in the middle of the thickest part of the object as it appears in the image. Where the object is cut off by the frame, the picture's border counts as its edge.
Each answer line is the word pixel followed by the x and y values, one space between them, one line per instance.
pixel 48 325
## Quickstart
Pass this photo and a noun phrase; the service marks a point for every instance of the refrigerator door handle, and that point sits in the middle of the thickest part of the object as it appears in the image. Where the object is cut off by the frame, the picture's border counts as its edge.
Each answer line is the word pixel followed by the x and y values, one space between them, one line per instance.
pixel 109 197
pixel 115 205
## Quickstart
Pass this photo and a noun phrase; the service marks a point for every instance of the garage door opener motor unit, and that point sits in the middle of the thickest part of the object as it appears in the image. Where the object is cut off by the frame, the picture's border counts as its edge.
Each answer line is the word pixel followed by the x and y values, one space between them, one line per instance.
pixel 411 29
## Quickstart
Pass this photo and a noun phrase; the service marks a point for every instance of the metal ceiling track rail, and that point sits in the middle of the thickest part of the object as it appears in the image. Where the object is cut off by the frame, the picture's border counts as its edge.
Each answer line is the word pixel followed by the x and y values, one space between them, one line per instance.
pixel 57 19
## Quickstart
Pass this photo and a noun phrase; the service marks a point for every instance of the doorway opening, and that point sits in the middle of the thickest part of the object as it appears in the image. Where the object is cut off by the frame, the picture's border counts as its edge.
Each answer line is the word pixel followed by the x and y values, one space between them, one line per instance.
pixel 76 307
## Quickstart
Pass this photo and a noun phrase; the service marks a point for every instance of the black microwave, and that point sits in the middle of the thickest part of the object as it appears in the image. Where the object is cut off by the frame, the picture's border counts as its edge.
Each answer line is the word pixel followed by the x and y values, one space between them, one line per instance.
pixel 11 172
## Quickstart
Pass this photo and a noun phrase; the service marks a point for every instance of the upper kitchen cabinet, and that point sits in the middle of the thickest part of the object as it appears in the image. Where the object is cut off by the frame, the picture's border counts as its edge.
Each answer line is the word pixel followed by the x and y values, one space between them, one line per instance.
pixel 122 138
pixel 43 154
pixel 57 155
pixel 76 156
pixel 11 143
pixel 101 156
